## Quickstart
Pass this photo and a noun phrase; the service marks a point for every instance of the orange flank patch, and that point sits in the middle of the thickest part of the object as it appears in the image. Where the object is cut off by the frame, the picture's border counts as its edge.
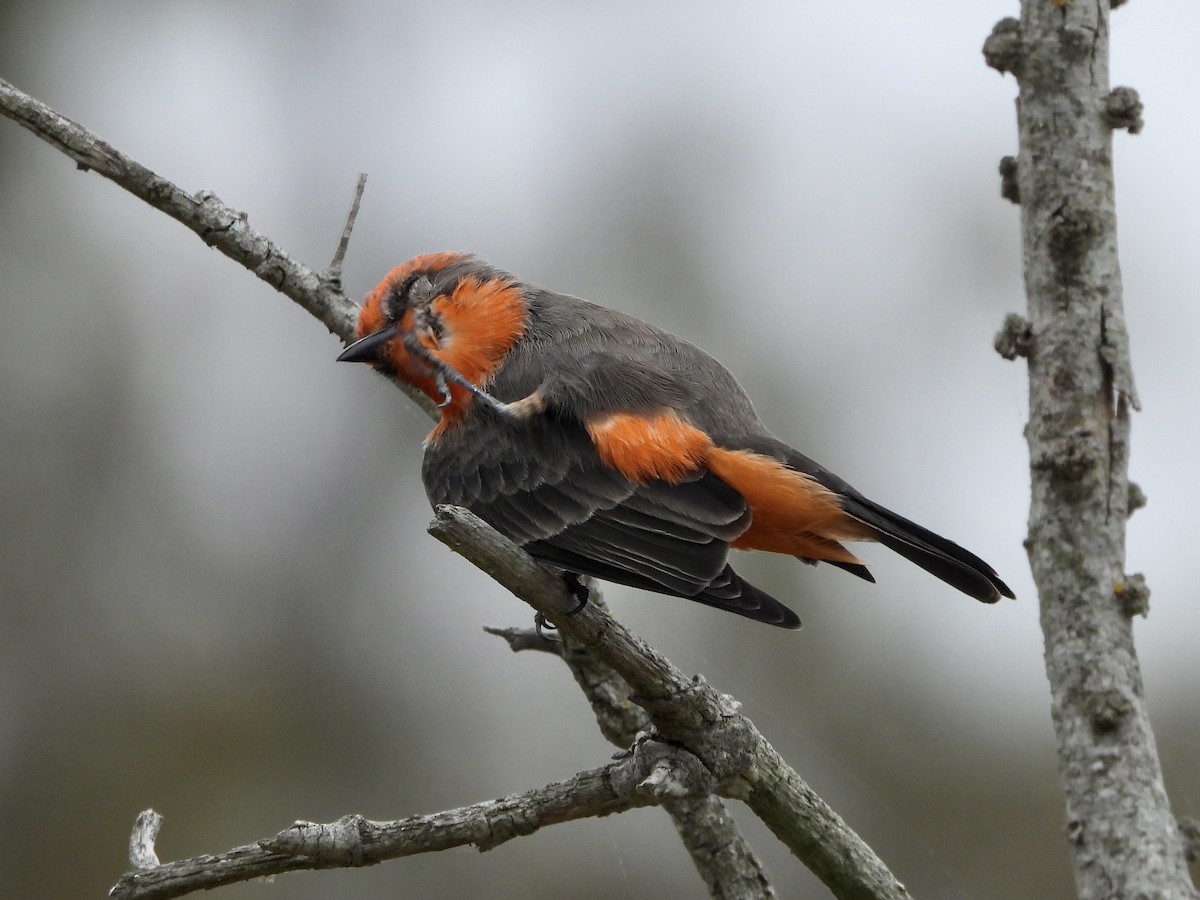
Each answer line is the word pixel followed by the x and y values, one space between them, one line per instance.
pixel 792 513
pixel 643 448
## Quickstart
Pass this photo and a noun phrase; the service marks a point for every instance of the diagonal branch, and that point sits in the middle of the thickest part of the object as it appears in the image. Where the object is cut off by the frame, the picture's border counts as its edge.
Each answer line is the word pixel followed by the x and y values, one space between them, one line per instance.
pixel 220 226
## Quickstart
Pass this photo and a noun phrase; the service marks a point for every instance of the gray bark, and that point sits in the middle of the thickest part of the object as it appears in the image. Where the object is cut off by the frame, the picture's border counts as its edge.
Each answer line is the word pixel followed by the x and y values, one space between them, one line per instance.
pixel 1122 834
pixel 723 858
pixel 644 778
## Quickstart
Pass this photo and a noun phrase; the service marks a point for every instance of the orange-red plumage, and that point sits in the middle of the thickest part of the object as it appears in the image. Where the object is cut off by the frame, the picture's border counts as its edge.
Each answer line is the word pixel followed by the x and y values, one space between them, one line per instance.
pixel 792 513
pixel 479 322
pixel 372 316
pixel 644 448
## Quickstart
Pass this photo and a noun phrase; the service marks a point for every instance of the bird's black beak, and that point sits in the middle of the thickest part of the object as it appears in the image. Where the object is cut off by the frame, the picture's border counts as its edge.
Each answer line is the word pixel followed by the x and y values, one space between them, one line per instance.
pixel 371 348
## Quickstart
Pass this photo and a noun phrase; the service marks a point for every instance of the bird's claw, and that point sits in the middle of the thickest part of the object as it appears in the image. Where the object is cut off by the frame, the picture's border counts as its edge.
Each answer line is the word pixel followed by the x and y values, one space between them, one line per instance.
pixel 545 628
pixel 578 590
pixel 442 386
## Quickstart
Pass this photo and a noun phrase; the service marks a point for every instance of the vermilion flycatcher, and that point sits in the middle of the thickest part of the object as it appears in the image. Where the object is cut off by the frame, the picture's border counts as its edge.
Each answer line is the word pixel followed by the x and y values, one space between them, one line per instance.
pixel 607 447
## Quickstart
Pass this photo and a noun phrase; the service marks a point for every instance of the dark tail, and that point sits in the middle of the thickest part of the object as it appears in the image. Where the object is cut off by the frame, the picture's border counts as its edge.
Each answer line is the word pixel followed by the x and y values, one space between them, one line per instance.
pixel 942 558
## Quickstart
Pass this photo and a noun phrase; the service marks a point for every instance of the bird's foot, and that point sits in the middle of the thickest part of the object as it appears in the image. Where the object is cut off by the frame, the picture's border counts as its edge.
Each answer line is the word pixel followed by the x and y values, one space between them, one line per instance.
pixel 545 628
pixel 578 590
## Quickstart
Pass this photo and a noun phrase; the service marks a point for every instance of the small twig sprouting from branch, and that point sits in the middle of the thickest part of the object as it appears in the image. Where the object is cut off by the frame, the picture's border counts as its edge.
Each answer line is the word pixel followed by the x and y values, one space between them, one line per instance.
pixel 519 639
pixel 1002 49
pixel 1189 832
pixel 1015 337
pixel 1010 190
pixel 1123 109
pixel 1136 499
pixel 141 841
pixel 1134 595
pixel 334 272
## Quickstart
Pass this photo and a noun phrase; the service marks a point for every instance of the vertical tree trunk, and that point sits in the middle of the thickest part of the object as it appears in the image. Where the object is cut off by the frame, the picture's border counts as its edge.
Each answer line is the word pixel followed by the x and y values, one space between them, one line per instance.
pixel 1122 833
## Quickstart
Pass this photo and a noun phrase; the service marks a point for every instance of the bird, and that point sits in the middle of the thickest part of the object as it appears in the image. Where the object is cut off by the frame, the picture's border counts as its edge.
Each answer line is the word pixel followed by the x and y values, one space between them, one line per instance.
pixel 609 448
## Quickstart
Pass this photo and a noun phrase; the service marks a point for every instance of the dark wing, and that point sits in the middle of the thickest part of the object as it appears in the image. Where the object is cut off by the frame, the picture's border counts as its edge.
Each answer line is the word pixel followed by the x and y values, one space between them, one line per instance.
pixel 542 484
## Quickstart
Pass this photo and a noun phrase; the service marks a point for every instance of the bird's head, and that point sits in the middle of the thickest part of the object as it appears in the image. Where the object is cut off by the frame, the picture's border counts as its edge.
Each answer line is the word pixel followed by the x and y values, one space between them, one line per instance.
pixel 440 316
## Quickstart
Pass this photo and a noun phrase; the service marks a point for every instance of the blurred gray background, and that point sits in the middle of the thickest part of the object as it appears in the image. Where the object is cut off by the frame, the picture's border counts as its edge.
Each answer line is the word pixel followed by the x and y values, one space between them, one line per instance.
pixel 217 596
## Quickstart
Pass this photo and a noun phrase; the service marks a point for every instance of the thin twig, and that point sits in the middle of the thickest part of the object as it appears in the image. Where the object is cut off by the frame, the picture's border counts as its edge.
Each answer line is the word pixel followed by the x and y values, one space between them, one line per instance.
pixel 334 272
pixel 519 639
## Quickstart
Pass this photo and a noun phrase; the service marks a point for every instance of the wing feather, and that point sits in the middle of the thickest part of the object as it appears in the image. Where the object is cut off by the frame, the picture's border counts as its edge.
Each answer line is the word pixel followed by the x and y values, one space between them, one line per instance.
pixel 542 484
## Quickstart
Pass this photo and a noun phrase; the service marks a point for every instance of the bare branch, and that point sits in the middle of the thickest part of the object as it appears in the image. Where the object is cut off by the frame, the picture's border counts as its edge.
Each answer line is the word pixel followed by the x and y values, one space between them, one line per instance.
pixel 218 225
pixel 656 771
pixel 1120 828
pixel 686 711
pixel 722 856
pixel 720 852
